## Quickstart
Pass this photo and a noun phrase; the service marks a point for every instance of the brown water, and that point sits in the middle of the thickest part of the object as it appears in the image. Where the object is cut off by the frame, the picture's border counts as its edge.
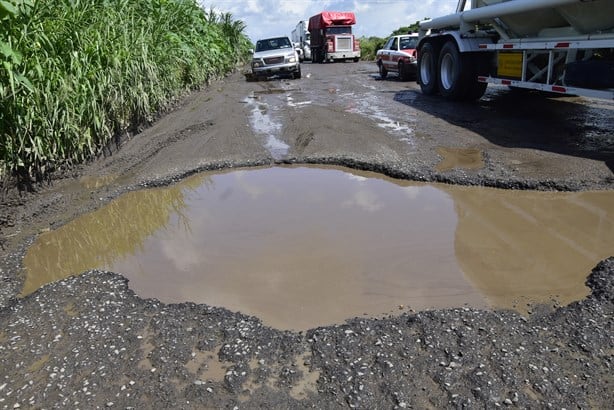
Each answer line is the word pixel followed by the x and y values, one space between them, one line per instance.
pixel 301 247
pixel 468 158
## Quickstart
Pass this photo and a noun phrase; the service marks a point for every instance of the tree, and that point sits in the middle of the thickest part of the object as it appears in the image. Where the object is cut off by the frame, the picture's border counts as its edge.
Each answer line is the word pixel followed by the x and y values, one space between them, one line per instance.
pixel 412 28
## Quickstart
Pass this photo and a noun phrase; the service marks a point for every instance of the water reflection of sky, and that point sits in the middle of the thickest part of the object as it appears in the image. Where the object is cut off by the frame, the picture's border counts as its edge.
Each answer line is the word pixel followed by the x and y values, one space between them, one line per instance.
pixel 328 244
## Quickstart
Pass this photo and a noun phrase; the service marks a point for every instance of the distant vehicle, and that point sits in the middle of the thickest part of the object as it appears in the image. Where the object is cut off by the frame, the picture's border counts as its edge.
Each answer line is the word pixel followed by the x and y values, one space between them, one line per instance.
pixel 332 38
pixel 399 56
pixel 275 56
pixel 302 38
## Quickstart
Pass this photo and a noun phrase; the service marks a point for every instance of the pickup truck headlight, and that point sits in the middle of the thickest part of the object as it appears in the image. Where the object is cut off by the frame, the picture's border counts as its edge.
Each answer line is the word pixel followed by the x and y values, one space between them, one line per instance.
pixel 291 59
pixel 256 63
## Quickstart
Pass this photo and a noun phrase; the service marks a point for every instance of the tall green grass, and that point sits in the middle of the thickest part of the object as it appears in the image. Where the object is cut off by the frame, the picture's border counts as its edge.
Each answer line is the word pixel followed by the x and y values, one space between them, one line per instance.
pixel 76 73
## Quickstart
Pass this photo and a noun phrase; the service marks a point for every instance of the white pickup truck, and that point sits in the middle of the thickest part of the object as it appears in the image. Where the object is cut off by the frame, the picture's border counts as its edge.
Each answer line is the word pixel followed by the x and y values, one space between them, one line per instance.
pixel 275 56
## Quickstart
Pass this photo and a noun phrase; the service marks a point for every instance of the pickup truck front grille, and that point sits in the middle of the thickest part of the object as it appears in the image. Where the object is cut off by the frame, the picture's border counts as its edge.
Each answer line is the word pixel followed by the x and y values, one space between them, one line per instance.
pixel 274 60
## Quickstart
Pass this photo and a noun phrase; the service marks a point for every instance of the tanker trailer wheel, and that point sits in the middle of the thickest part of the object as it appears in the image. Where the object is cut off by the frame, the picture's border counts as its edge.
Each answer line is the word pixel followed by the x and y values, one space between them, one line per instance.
pixel 427 69
pixel 479 62
pixel 452 72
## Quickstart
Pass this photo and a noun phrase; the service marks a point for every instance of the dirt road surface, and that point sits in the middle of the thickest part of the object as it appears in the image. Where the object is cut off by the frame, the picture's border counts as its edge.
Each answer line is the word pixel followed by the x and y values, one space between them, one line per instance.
pixel 90 342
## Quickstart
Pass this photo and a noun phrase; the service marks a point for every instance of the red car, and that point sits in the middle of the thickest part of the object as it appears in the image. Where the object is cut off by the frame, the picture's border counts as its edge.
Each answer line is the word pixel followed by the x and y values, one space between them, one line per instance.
pixel 399 55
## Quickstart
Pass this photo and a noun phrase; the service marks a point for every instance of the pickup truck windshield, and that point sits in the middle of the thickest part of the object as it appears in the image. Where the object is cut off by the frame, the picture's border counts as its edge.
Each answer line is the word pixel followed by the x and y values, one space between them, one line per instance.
pixel 273 44
pixel 339 30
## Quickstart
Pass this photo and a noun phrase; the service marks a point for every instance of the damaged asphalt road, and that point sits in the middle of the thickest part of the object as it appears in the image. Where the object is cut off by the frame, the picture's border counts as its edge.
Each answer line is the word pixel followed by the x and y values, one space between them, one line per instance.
pixel 90 342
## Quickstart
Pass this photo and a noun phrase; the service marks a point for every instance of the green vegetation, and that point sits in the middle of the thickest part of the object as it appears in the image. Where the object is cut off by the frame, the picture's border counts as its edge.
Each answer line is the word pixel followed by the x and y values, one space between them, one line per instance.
pixel 412 28
pixel 75 74
pixel 370 45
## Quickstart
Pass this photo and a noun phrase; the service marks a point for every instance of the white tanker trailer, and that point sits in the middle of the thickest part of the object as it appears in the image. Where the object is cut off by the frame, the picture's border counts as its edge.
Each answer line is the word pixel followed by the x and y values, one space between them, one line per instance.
pixel 558 46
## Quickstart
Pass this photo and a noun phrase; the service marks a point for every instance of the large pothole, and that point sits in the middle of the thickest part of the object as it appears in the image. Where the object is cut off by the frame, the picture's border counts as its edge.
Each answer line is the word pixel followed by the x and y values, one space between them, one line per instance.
pixel 301 247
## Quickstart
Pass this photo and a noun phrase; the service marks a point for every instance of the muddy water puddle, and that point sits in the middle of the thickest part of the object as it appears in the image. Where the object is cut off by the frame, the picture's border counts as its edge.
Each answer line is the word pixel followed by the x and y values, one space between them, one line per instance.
pixel 301 247
pixel 467 158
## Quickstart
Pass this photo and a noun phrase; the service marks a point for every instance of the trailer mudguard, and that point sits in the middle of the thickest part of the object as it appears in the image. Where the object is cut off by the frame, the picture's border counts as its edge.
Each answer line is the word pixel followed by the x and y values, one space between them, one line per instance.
pixel 465 44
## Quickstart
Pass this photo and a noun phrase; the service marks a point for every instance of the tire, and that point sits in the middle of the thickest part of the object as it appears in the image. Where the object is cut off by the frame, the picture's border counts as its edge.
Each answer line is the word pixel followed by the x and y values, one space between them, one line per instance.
pixel 320 56
pixel 356 59
pixel 427 69
pixel 383 73
pixel 297 74
pixel 453 74
pixel 316 56
pixel 475 90
pixel 403 72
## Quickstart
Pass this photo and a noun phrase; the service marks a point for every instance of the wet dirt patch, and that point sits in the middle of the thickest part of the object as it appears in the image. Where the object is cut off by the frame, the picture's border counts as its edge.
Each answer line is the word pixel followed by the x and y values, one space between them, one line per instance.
pixel 38 364
pixel 301 247
pixel 465 158
pixel 95 182
pixel 206 366
pixel 307 384
pixel 267 127
pixel 274 91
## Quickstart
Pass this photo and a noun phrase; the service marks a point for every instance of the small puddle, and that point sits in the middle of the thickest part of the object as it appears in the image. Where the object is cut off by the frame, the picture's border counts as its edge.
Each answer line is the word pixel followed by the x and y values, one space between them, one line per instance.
pixel 302 247
pixel 91 182
pixel 367 105
pixel 466 158
pixel 265 126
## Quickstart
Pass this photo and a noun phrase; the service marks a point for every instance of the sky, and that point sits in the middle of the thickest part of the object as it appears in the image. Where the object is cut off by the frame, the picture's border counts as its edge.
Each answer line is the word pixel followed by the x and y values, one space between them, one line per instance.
pixel 271 18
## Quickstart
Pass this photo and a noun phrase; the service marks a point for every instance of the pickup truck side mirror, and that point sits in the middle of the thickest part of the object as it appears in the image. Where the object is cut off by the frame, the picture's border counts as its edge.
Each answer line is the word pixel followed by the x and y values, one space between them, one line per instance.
pixel 251 51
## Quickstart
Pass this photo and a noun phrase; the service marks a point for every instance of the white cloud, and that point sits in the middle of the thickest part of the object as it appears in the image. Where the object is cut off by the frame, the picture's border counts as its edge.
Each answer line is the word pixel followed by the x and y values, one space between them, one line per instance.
pixel 269 18
pixel 253 6
pixel 366 200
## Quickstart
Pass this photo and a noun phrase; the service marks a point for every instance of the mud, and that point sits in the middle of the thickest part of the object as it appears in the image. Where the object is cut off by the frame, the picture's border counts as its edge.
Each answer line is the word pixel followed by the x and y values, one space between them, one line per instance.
pixel 89 341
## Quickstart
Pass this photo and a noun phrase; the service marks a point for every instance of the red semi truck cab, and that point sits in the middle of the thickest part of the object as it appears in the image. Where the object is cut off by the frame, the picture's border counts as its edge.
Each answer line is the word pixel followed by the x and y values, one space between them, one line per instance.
pixel 332 38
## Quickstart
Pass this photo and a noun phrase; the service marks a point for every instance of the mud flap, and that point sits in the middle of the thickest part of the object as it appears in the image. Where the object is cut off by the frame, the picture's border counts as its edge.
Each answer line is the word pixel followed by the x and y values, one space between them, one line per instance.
pixel 596 74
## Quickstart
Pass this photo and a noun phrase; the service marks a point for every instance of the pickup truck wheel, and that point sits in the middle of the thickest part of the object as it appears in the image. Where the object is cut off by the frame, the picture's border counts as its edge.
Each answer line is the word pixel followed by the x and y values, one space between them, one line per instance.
pixel 297 74
pixel 427 69
pixel 383 73
pixel 453 74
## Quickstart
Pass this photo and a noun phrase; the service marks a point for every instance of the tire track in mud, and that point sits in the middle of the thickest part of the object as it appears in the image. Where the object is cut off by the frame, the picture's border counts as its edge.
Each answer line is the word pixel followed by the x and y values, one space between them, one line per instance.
pixel 160 143
pixel 271 117
pixel 366 99
pixel 266 127
pixel 287 115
